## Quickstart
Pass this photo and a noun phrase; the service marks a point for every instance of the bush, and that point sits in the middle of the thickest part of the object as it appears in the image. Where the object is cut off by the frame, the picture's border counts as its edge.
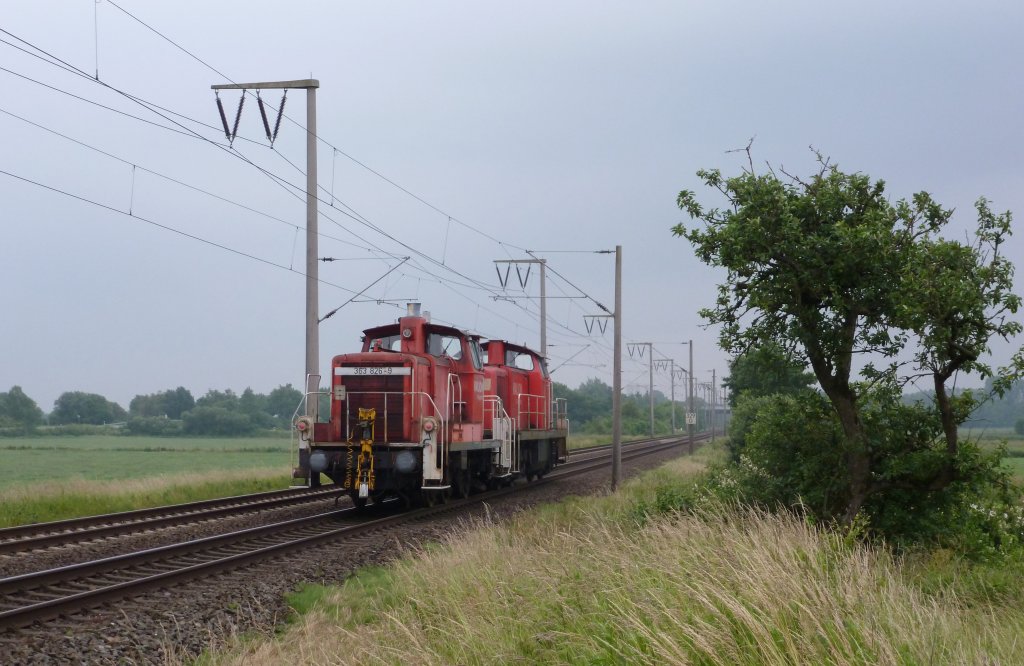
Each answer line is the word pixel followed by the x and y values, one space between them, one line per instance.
pixel 789 453
pixel 216 421
pixel 155 426
pixel 80 429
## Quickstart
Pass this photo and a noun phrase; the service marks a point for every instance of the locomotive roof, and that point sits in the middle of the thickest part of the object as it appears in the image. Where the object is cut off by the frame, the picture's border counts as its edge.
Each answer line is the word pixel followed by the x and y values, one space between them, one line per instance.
pixel 513 346
pixel 395 328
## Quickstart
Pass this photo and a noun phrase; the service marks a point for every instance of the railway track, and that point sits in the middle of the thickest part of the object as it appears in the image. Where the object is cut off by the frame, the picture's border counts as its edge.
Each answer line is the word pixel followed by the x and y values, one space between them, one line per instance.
pixel 42 595
pixel 78 530
pixel 33 536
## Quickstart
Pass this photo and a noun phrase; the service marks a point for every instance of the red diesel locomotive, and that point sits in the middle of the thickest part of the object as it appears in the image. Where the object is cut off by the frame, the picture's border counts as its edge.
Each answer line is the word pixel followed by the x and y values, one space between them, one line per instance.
pixel 425 411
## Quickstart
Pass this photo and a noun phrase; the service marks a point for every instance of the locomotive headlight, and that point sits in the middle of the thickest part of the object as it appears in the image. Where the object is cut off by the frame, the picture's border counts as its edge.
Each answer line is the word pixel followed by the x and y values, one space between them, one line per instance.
pixel 428 425
pixel 317 462
pixel 405 462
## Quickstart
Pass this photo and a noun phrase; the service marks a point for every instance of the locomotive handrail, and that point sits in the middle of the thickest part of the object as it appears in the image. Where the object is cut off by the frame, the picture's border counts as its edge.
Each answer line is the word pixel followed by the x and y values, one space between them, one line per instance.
pixel 503 427
pixel 536 406
pixel 560 409
pixel 417 408
pixel 454 382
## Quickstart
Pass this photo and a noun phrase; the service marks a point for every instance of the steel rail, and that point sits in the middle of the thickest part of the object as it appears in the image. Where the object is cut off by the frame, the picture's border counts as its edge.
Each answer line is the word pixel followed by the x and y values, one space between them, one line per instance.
pixel 76 530
pixel 33 536
pixel 219 553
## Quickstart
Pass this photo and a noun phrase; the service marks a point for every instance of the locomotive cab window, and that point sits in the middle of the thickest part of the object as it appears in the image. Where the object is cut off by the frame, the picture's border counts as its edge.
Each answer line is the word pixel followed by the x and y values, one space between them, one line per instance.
pixel 444 345
pixel 519 360
pixel 476 355
pixel 387 343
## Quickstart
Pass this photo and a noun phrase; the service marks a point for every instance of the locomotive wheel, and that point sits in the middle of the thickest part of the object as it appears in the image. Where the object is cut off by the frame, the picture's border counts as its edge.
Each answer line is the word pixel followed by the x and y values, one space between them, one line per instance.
pixel 464 485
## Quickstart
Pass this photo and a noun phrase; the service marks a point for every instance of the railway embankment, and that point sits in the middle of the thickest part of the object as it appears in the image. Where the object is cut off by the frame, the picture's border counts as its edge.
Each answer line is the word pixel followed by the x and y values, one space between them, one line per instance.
pixel 654 575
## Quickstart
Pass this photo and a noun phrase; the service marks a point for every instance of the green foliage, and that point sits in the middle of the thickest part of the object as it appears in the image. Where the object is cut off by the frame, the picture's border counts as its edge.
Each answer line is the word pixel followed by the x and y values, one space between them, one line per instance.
pixel 764 370
pixel 217 421
pixel 788 454
pixel 829 270
pixel 281 403
pixel 590 410
pixel 19 414
pixel 743 415
pixel 167 404
pixel 217 413
pixel 786 451
pixel 155 426
pixel 81 407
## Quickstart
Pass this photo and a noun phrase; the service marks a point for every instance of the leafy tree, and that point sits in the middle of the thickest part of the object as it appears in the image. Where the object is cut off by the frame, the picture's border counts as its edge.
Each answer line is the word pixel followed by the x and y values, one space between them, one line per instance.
pixel 254 406
pixel 226 399
pixel 832 271
pixel 17 410
pixel 170 404
pixel 589 402
pixel 155 426
pixel 216 421
pixel 281 404
pixel 177 402
pixel 765 370
pixel 81 407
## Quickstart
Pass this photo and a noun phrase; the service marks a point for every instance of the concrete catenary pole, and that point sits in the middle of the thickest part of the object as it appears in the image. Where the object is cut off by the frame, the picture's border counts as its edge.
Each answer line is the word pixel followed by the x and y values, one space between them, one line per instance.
pixel 689 409
pixel 543 310
pixel 650 383
pixel 312 276
pixel 650 369
pixel 617 376
pixel 672 375
pixel 714 410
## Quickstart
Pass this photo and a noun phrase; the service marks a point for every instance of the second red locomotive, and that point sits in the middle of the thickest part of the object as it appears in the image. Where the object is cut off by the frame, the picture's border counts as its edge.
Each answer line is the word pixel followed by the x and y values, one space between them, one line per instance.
pixel 424 411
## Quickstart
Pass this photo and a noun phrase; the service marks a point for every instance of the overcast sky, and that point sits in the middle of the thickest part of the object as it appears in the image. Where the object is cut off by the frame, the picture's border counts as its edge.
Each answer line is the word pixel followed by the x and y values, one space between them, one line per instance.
pixel 544 126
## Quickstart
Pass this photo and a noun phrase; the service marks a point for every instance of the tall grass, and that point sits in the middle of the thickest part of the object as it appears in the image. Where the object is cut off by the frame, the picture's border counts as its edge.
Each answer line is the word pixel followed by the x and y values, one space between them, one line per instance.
pixel 586 582
pixel 70 498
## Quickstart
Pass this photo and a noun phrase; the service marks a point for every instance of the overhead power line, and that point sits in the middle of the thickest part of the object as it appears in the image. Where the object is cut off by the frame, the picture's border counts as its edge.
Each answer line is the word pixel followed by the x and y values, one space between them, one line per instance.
pixel 293 189
pixel 166 227
pixel 323 140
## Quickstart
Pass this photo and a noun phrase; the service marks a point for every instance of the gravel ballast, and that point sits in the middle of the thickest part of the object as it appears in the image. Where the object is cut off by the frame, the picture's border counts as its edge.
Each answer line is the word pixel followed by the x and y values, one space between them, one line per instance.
pixel 181 622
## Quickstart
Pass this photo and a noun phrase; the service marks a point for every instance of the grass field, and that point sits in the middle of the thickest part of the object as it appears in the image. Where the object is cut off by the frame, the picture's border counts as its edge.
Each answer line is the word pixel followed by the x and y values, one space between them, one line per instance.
pixel 606 581
pixel 53 478
pixel 992 437
pixel 43 460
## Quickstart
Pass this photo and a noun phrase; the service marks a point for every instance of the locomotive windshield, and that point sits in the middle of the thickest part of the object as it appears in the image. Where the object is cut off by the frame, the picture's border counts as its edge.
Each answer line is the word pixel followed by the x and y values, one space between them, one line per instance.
pixel 474 350
pixel 444 345
pixel 520 360
pixel 386 343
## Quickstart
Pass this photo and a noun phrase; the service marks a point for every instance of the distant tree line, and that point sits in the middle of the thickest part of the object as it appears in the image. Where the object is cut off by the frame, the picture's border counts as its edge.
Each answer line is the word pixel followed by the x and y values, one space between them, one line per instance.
pixel 590 410
pixel 166 413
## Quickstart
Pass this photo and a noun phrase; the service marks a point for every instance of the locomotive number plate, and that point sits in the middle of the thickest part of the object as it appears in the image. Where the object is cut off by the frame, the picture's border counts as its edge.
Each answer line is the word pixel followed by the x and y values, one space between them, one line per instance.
pixel 373 371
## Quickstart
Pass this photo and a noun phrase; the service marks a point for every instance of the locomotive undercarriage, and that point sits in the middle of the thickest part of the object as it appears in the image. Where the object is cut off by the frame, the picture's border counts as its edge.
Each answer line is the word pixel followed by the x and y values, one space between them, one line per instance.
pixel 398 470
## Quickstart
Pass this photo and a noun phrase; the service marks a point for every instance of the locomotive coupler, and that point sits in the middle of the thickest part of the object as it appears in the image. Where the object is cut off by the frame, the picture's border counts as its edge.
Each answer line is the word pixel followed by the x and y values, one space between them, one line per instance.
pixel 364 465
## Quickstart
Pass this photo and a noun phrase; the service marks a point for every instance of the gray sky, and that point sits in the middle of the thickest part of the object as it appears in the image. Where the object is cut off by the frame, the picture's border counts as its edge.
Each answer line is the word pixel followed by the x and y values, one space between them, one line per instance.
pixel 544 125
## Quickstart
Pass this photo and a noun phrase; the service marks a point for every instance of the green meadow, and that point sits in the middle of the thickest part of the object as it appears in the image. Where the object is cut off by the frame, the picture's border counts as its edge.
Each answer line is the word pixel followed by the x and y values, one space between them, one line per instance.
pixel 45 460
